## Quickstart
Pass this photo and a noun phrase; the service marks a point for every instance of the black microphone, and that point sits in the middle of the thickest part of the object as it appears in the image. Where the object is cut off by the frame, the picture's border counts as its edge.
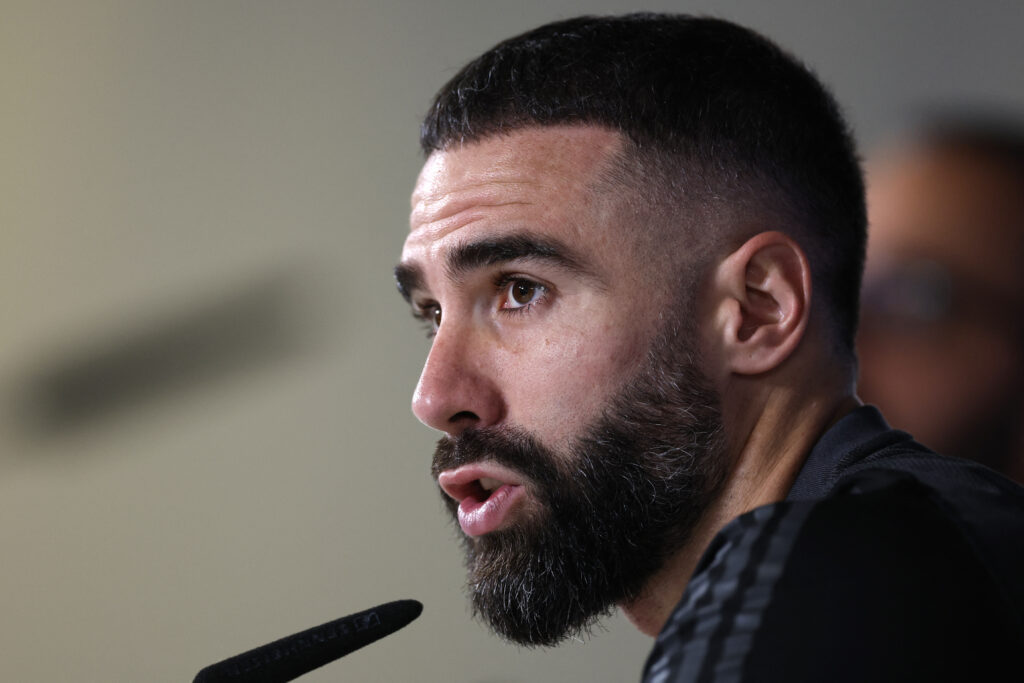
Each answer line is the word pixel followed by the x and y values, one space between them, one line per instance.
pixel 287 659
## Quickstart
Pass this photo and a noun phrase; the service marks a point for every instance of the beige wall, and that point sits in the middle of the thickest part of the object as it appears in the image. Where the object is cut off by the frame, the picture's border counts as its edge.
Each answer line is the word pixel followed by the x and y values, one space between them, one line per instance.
pixel 216 192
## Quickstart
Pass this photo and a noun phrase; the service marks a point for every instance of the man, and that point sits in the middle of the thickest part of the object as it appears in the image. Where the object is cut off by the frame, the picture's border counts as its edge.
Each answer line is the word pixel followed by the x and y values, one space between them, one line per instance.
pixel 614 244
pixel 942 334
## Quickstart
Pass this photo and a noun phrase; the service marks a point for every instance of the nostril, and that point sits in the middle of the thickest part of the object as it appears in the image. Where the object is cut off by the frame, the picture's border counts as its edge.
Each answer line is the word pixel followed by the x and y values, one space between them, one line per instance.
pixel 464 415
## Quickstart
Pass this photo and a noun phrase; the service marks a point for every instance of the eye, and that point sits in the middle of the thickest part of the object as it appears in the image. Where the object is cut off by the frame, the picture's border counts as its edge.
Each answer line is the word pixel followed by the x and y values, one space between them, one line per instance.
pixel 521 293
pixel 430 315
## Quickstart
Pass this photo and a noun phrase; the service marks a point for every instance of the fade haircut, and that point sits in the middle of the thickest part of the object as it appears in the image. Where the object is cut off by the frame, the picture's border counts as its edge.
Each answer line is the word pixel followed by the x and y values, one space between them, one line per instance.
pixel 715 117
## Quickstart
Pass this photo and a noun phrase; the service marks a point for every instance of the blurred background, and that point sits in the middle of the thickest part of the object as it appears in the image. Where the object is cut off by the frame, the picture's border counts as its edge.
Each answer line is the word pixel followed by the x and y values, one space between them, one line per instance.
pixel 205 371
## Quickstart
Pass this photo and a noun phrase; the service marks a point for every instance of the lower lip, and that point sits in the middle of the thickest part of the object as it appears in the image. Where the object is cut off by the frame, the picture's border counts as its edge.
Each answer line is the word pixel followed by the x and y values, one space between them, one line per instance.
pixel 482 517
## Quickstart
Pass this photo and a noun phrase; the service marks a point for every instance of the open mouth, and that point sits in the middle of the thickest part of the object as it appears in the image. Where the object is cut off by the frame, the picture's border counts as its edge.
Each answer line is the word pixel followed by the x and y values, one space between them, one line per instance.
pixel 478 489
pixel 487 496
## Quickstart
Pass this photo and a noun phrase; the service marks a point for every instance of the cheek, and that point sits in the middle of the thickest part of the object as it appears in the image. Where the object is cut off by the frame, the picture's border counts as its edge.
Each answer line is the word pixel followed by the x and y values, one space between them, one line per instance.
pixel 557 385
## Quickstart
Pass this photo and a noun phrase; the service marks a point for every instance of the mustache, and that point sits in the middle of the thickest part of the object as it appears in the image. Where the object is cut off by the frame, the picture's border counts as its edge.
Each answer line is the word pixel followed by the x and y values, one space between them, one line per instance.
pixel 508 446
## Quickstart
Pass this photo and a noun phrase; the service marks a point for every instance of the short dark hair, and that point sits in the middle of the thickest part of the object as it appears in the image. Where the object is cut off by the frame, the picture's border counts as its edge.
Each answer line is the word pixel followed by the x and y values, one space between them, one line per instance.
pixel 718 101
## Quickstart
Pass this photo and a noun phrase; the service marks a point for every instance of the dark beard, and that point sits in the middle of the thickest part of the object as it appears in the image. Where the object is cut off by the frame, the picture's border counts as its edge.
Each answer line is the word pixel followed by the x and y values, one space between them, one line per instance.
pixel 614 509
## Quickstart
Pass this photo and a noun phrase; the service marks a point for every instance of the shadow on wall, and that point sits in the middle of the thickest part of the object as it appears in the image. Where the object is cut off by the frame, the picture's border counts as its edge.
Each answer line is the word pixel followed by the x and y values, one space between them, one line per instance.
pixel 97 379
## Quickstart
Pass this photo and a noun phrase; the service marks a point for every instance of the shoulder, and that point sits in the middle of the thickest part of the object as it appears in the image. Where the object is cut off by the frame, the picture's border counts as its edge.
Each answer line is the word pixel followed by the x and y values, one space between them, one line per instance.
pixel 878 581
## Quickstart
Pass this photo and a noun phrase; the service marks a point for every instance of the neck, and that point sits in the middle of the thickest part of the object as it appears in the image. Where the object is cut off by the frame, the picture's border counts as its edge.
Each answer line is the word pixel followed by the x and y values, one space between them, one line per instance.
pixel 768 455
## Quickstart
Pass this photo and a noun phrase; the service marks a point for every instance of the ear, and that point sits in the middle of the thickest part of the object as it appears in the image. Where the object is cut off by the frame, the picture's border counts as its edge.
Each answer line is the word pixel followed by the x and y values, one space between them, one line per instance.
pixel 763 299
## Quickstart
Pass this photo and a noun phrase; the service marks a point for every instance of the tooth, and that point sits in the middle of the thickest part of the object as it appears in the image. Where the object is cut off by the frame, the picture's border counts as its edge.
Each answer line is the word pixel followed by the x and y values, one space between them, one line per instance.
pixel 489 484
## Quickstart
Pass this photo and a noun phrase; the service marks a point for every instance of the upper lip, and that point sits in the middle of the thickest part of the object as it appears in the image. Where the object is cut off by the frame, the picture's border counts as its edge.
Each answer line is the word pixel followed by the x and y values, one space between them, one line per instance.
pixel 465 481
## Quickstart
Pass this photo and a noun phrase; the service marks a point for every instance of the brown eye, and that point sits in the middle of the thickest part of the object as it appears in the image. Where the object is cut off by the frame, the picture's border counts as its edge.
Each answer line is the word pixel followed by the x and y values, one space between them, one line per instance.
pixel 522 293
pixel 429 315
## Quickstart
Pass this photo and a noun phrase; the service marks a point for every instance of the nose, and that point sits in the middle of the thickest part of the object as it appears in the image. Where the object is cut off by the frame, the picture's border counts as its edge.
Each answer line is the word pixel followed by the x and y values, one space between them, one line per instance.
pixel 457 389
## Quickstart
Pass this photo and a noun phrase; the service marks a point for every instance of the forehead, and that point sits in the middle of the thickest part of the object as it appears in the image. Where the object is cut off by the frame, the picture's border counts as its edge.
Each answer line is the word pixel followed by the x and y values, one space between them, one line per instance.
pixel 534 174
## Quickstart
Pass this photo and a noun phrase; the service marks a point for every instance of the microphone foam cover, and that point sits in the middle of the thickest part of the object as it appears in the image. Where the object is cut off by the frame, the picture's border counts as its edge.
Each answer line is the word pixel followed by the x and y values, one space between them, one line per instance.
pixel 288 658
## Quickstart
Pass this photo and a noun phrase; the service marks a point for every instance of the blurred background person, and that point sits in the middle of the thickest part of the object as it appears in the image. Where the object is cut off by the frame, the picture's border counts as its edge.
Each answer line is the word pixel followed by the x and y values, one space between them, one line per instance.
pixel 942 330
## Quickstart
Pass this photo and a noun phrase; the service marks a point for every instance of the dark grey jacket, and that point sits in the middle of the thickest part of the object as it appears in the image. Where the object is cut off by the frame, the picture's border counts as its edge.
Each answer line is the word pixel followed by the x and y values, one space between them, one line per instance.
pixel 886 562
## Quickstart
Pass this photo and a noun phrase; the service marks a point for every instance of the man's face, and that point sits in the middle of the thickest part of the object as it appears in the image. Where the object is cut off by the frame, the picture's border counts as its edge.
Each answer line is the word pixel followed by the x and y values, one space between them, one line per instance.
pixel 940 332
pixel 544 308
pixel 579 433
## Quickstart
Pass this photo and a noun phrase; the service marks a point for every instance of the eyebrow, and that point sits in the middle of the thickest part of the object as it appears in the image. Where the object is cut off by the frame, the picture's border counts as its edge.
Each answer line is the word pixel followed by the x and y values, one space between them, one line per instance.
pixel 492 251
pixel 409 278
